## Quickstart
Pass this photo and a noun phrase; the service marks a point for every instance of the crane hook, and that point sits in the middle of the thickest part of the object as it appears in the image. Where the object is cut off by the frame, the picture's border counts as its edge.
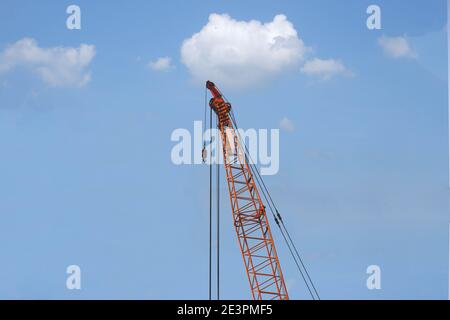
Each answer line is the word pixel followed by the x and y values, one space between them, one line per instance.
pixel 204 154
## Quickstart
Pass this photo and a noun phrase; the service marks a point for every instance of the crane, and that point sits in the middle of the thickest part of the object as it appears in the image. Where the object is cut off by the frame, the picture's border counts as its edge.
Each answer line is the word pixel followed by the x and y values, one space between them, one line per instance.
pixel 249 213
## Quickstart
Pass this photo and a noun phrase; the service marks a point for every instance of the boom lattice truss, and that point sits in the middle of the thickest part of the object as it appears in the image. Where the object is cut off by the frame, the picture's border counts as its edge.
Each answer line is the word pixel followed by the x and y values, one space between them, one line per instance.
pixel 249 213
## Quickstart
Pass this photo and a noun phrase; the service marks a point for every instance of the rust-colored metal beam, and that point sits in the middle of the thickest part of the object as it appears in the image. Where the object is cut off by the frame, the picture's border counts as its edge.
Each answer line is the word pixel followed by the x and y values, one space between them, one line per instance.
pixel 258 250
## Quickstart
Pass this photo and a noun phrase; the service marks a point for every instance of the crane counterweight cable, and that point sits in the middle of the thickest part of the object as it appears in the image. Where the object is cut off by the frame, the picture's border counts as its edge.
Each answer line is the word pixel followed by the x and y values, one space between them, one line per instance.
pixel 210 201
pixel 204 155
pixel 218 216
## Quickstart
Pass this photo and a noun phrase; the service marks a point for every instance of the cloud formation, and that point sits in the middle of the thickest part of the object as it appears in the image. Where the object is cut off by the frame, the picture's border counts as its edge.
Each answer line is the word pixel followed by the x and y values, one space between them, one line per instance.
pixel 56 66
pixel 396 47
pixel 287 124
pixel 324 69
pixel 240 54
pixel 161 64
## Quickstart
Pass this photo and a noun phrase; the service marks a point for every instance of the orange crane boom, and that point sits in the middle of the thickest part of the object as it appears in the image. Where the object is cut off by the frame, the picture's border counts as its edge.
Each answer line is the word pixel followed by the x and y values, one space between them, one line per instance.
pixel 249 214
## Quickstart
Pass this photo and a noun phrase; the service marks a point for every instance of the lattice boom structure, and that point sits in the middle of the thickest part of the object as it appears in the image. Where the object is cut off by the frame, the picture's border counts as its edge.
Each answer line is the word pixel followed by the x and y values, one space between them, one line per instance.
pixel 249 213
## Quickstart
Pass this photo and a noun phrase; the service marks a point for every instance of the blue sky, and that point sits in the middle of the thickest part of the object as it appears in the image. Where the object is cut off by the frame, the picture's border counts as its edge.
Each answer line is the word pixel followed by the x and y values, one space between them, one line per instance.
pixel 86 176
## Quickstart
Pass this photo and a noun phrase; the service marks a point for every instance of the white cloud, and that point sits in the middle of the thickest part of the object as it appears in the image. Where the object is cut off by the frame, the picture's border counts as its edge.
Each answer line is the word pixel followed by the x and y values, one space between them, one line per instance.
pixel 396 47
pixel 57 66
pixel 287 124
pixel 161 64
pixel 325 69
pixel 240 54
